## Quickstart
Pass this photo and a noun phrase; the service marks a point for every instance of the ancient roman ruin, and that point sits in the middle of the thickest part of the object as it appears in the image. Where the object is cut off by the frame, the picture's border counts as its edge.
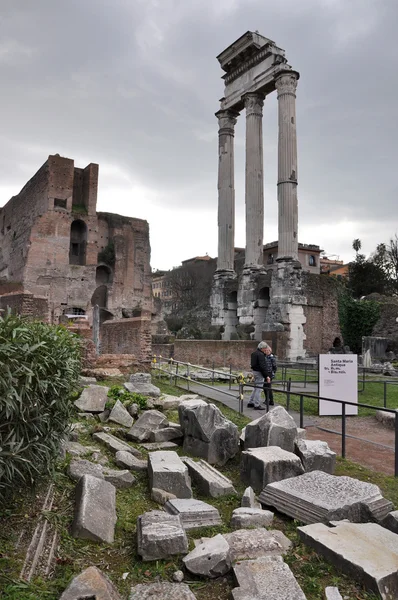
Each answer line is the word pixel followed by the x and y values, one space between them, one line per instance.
pixel 254 67
pixel 68 257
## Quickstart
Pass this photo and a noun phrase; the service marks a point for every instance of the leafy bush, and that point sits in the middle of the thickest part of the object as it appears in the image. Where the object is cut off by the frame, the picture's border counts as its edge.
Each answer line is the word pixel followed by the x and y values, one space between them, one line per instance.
pixel 39 367
pixel 118 392
pixel 357 319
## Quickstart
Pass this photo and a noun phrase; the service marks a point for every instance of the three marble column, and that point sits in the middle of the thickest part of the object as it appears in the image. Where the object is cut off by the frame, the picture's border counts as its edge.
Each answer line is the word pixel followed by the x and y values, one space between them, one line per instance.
pixel 286 84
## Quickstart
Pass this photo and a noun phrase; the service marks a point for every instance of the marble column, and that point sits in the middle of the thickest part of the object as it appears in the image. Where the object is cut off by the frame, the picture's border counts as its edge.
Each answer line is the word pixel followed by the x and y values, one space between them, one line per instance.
pixel 226 190
pixel 254 190
pixel 286 84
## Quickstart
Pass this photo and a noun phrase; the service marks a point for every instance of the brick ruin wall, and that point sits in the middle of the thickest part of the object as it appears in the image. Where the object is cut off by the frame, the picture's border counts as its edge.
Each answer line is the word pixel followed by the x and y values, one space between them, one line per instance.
pixel 218 352
pixel 128 336
pixel 26 304
pixel 321 312
pixel 35 243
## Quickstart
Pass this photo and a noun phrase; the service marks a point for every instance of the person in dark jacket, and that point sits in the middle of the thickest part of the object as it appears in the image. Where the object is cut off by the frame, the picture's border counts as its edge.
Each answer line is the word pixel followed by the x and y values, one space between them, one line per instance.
pixel 270 359
pixel 262 372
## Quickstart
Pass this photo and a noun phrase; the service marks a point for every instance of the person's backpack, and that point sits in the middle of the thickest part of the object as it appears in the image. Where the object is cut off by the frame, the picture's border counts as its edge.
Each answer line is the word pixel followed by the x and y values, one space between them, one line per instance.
pixel 254 361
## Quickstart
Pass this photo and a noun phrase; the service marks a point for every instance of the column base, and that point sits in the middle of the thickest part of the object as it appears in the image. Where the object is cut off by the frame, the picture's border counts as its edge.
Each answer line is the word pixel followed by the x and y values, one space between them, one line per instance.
pixel 285 318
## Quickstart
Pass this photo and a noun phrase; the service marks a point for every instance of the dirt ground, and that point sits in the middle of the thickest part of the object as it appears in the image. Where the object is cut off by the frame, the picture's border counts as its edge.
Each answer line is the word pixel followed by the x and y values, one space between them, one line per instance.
pixel 378 455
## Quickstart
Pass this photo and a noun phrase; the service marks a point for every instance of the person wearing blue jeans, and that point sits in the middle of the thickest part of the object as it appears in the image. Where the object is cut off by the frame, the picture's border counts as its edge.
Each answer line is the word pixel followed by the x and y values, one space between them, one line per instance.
pixel 262 372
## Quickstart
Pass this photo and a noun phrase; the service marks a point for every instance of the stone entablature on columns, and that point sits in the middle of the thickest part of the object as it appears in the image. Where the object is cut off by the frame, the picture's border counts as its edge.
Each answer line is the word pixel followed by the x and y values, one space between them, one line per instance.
pixel 254 187
pixel 286 84
pixel 226 190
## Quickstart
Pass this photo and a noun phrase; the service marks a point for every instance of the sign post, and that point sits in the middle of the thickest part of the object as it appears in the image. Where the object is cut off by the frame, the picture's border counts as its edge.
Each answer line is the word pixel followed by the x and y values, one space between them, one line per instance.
pixel 338 380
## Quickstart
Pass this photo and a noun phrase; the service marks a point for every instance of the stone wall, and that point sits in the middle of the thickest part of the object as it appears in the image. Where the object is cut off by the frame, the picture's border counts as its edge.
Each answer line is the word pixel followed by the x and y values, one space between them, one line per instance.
pixel 221 353
pixel 163 350
pixel 37 245
pixel 127 336
pixel 322 325
pixel 26 304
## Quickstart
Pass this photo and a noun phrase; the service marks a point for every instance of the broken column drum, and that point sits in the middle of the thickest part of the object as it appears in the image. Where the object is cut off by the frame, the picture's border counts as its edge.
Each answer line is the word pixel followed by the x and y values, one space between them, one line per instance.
pixel 255 67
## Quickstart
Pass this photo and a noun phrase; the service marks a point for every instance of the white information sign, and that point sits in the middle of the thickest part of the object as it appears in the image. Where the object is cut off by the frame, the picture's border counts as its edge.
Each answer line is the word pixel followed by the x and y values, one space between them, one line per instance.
pixel 338 379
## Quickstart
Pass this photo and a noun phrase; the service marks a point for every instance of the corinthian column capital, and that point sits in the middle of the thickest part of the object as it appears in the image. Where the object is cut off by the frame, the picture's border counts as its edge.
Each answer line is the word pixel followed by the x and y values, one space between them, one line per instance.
pixel 226 121
pixel 254 103
pixel 286 83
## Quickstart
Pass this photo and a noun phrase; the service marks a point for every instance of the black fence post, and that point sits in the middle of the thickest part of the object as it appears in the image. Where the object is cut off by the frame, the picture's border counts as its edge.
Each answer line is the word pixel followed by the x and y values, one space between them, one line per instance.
pixel 230 375
pixel 188 376
pixel 212 375
pixel 176 375
pixel 171 371
pixel 396 445
pixel 385 394
pixel 240 397
pixel 305 376
pixel 343 430
pixel 301 411
pixel 266 390
pixel 289 385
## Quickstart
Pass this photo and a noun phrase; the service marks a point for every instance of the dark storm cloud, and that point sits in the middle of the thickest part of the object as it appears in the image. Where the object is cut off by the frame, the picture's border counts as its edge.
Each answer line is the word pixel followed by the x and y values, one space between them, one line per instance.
pixel 134 85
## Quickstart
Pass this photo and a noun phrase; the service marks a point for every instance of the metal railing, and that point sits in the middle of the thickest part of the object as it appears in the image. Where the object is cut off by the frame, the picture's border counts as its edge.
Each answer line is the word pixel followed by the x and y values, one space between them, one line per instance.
pixel 242 384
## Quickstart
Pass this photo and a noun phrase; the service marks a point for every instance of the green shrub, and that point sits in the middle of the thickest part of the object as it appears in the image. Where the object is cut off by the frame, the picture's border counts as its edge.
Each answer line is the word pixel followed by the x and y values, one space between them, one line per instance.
pixel 39 367
pixel 118 392
pixel 357 319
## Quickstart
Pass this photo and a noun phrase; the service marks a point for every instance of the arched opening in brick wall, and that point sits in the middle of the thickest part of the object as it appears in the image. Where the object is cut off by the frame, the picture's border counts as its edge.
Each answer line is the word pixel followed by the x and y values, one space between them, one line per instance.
pixel 78 243
pixel 103 275
pixel 100 297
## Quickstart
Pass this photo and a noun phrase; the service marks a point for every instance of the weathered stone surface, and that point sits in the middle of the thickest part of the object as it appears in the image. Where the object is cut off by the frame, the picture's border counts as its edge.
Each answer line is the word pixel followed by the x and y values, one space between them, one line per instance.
pixel 148 422
pixel 133 409
pixel 86 415
pixel 160 535
pixel 160 496
pixel 209 559
pixel 141 384
pixel 208 480
pixel 251 517
pixel 127 460
pixel 99 458
pixel 95 510
pixel 267 578
pixel 178 576
pixel 159 446
pixel 320 497
pixel 76 449
pixel 168 402
pixel 115 444
pixel 161 591
pixel 79 467
pixel 75 430
pixel 120 479
pixel 316 455
pixel 332 593
pixel 93 399
pixel 365 551
pixel 301 433
pixel 166 434
pixel 275 428
pixel 91 583
pixel 193 513
pixel 119 414
pixel 249 499
pixel 86 381
pixel 207 433
pixel 167 472
pixel 391 521
pixel 261 466
pixel 104 416
pixel 186 397
pixel 386 418
pixel 253 543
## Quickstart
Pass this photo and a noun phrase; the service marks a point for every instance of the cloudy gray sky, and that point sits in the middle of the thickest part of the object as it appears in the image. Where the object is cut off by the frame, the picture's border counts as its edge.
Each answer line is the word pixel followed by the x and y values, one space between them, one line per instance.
pixel 133 85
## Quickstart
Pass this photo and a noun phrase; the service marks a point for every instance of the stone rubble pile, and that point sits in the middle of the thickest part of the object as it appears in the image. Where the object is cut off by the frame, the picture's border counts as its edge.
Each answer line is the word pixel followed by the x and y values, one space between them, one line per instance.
pixel 207 479
pixel 262 466
pixel 194 513
pixel 167 472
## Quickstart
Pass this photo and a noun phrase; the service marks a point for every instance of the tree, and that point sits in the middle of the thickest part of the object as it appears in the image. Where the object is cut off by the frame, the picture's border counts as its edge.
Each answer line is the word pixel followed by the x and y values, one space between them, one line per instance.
pixel 366 277
pixel 356 244
pixel 386 257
